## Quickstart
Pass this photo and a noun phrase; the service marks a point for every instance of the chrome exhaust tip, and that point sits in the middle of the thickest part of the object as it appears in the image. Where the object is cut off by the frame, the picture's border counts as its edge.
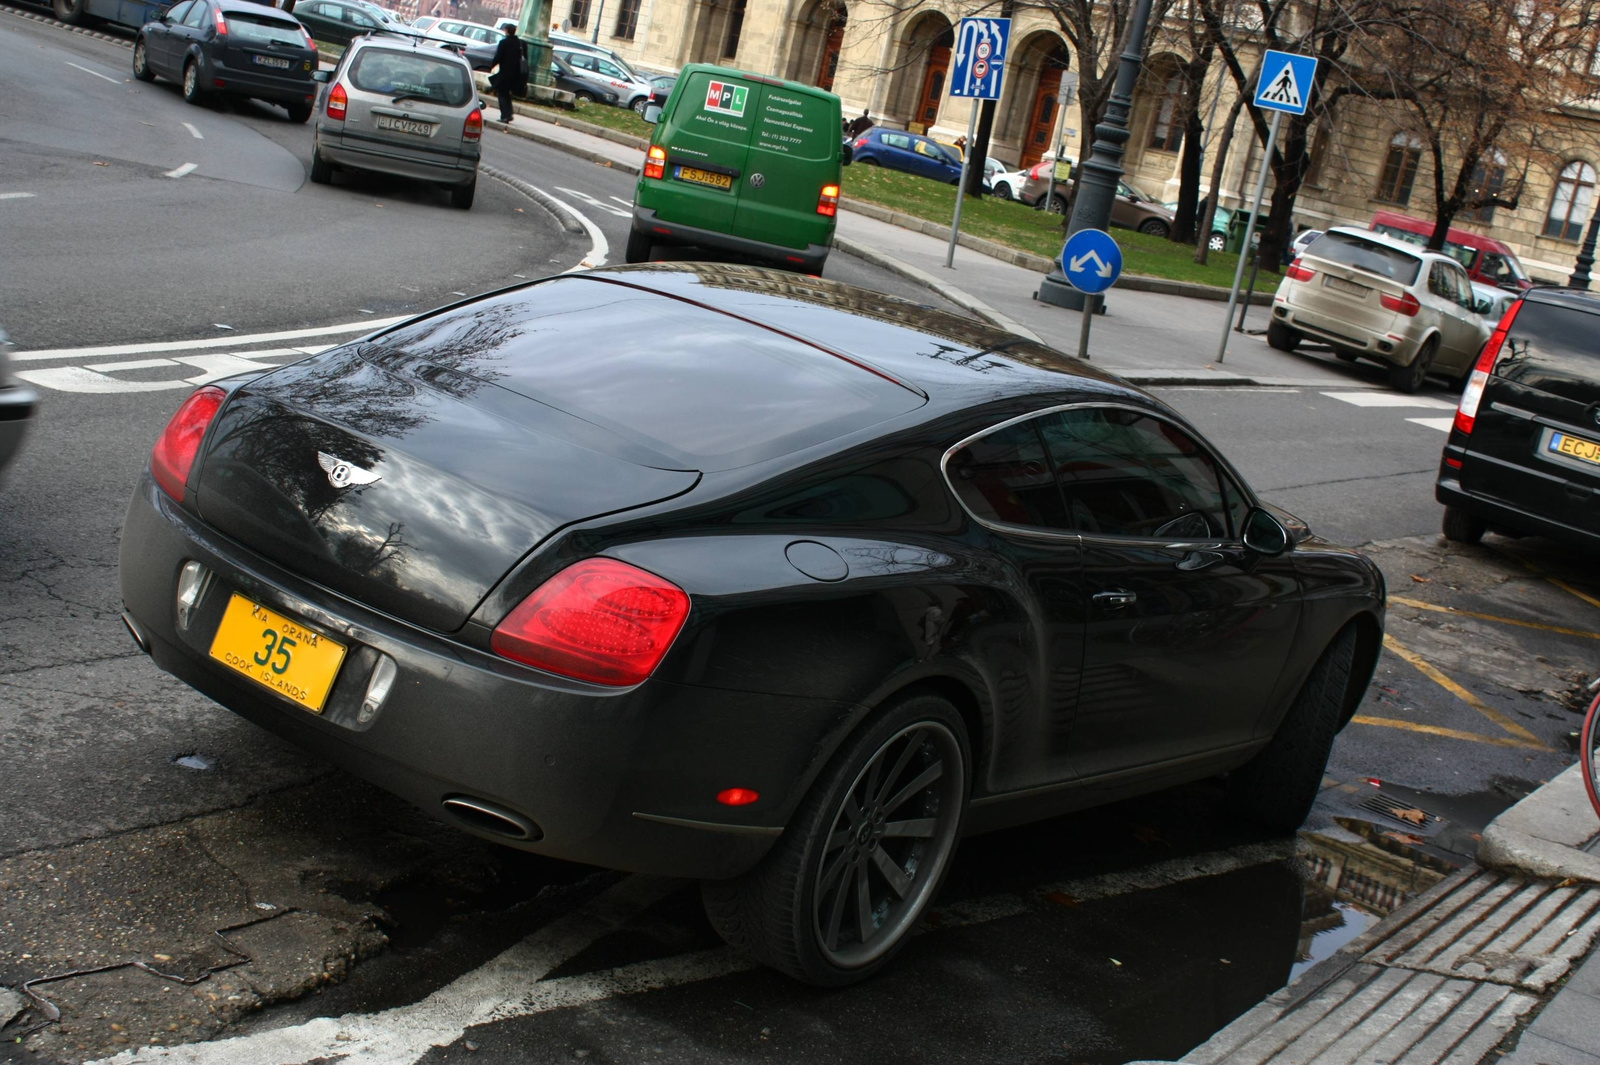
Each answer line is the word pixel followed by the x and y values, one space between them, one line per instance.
pixel 484 816
pixel 136 632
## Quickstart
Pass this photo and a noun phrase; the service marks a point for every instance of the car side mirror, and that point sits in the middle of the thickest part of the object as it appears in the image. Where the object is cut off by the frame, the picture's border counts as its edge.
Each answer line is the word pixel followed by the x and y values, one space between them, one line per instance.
pixel 1265 534
pixel 1481 305
pixel 323 76
pixel 652 113
pixel 847 154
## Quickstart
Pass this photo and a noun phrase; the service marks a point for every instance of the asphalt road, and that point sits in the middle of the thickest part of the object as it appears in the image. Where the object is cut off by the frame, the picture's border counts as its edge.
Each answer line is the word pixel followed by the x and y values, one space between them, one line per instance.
pixel 139 817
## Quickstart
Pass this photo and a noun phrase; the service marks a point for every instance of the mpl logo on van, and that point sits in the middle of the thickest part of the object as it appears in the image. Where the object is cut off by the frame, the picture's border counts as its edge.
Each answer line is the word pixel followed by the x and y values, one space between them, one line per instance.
pixel 721 96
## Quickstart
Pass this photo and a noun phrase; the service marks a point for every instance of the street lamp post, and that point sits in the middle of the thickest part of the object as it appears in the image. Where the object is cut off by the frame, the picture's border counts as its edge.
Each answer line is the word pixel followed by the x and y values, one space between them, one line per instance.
pixel 1580 276
pixel 1097 185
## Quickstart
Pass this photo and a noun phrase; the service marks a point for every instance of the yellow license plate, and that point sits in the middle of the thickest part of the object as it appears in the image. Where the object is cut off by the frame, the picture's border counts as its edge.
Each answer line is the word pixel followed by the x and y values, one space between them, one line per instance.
pixel 277 653
pixel 704 177
pixel 1577 447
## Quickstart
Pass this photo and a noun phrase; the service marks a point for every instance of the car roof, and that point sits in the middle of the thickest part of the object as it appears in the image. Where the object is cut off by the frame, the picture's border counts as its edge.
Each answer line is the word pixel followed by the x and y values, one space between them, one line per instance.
pixel 1576 299
pixel 247 6
pixel 391 37
pixel 1373 236
pixel 1463 237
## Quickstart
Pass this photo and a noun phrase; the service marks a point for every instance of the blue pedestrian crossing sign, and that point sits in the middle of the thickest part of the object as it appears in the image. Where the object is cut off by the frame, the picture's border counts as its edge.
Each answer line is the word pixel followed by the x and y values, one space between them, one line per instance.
pixel 1285 83
pixel 1091 260
pixel 980 57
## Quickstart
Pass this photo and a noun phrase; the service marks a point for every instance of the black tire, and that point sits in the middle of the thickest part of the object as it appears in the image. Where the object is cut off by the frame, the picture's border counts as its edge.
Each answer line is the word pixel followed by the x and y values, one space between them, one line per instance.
pixel 298 112
pixel 639 105
pixel 1001 191
pixel 1345 355
pixel 1282 337
pixel 1408 379
pixel 141 62
pixel 869 161
pixel 69 11
pixel 461 195
pixel 583 97
pixel 1461 527
pixel 639 248
pixel 1154 227
pixel 192 92
pixel 321 172
pixel 1218 242
pixel 1057 205
pixel 788 912
pixel 1277 787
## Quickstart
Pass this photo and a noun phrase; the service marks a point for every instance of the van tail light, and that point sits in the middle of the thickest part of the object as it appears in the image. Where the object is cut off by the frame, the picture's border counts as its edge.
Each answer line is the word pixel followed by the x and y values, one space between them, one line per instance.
pixel 222 24
pixel 338 100
pixel 473 130
pixel 828 202
pixel 1296 272
pixel 598 620
pixel 655 162
pixel 1472 395
pixel 1405 304
pixel 179 443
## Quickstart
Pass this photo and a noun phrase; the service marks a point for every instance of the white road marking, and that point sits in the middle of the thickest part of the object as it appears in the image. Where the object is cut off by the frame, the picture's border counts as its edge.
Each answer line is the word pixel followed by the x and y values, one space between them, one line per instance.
pixel 96 379
pixel 599 247
pixel 186 168
pixel 16 195
pixel 244 340
pixel 513 985
pixel 626 203
pixel 1390 399
pixel 592 202
pixel 1441 424
pixel 96 73
pixel 196 134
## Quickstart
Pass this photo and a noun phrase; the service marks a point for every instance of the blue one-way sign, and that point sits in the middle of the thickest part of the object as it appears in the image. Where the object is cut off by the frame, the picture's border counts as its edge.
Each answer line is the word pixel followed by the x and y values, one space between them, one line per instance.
pixel 980 57
pixel 1091 260
pixel 1285 83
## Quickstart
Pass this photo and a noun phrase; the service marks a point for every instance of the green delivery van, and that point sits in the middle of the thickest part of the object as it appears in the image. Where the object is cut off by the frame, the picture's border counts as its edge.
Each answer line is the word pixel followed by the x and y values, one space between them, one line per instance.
pixel 741 163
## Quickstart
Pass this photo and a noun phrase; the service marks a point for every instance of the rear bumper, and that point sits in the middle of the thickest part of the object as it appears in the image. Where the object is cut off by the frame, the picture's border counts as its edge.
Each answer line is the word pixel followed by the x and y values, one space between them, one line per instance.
pixel 1501 513
pixel 257 85
pixel 344 150
pixel 809 259
pixel 18 405
pixel 1320 325
pixel 621 779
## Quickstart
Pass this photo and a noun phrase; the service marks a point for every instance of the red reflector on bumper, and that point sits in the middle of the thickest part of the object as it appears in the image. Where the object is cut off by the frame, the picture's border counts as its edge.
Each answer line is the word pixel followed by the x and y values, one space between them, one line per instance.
pixel 737 796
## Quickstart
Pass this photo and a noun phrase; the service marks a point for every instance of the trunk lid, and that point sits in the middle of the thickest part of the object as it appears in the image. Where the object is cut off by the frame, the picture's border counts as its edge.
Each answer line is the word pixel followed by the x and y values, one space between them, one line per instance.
pixel 263 45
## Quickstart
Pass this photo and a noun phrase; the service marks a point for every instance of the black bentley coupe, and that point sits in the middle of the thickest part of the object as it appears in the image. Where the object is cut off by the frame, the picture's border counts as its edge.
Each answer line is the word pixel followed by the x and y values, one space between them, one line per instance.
pixel 738 575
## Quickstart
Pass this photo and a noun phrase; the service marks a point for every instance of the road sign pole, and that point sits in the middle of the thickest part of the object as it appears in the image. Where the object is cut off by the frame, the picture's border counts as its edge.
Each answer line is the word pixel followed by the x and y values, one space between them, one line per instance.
pixel 961 189
pixel 1249 230
pixel 1083 330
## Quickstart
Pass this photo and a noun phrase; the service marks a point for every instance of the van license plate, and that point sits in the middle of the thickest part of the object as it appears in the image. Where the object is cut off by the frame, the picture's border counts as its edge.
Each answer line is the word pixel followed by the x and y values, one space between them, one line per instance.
pixel 703 177
pixel 1339 284
pixel 1575 447
pixel 275 62
pixel 405 125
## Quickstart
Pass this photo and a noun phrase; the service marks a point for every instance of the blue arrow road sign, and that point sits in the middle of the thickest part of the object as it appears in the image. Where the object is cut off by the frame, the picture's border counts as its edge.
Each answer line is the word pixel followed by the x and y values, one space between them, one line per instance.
pixel 980 57
pixel 1285 83
pixel 1091 260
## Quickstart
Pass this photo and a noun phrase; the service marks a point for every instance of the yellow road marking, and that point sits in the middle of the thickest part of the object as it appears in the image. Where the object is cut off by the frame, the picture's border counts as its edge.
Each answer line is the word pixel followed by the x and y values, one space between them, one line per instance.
pixel 1562 629
pixel 1559 583
pixel 1435 730
pixel 1427 669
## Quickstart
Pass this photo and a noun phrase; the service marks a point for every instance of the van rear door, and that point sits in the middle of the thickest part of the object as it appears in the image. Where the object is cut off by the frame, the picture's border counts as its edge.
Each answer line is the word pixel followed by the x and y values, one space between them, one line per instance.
pixel 707 138
pixel 794 152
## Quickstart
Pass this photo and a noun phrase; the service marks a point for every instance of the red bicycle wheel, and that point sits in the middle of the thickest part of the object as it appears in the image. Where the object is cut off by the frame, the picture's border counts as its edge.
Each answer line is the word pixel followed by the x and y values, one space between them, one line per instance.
pixel 1589 754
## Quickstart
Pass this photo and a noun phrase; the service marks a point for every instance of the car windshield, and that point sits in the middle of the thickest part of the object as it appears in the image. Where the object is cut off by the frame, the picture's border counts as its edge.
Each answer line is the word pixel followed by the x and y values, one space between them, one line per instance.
pixel 1367 255
pixel 392 73
pixel 264 29
pixel 1458 252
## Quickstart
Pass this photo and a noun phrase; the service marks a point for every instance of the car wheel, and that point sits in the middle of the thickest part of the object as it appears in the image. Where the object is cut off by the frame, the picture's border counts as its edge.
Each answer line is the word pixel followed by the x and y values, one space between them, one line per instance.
pixel 1057 205
pixel 298 112
pixel 1277 787
pixel 1461 527
pixel 583 97
pixel 868 161
pixel 640 104
pixel 1001 191
pixel 1408 379
pixel 321 172
pixel 1218 242
pixel 461 195
pixel 1345 355
pixel 841 891
pixel 192 92
pixel 1154 227
pixel 639 249
pixel 141 62
pixel 69 11
pixel 1281 337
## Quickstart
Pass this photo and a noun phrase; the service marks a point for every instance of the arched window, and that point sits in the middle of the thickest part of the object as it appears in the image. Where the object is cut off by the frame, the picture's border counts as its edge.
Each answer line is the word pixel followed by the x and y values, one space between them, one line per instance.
pixel 1400 168
pixel 1488 178
pixel 1166 132
pixel 1569 209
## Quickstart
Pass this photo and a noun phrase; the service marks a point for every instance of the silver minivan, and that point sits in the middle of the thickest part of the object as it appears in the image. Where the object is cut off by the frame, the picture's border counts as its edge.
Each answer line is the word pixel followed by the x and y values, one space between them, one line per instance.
pixel 402 107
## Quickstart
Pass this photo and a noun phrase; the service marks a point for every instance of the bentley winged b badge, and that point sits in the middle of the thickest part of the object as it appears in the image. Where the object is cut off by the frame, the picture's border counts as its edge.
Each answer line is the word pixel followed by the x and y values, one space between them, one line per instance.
pixel 341 474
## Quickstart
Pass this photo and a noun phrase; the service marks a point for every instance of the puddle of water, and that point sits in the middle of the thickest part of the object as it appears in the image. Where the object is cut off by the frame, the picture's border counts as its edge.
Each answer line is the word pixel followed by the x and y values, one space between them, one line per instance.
pixel 1342 922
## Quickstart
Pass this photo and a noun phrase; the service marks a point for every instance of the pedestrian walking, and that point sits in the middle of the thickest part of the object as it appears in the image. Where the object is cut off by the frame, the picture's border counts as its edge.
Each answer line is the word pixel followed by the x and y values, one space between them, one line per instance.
pixel 511 71
pixel 858 126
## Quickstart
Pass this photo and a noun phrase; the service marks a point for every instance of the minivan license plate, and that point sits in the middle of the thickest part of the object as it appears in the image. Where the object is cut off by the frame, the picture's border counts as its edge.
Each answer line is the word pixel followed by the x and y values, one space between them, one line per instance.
pixel 405 125
pixel 1575 447
pixel 275 62
pixel 704 177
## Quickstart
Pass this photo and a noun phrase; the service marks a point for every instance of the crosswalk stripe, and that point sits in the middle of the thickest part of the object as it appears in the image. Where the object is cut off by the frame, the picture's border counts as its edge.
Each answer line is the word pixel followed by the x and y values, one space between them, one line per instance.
pixel 1390 399
pixel 1442 424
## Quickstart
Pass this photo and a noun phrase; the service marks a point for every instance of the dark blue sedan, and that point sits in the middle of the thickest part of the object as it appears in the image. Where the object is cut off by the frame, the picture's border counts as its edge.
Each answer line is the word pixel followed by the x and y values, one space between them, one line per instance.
pixel 911 152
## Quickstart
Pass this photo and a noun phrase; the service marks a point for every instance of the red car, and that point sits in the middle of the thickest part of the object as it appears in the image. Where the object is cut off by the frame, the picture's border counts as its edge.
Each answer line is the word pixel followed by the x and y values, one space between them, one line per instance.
pixel 1488 261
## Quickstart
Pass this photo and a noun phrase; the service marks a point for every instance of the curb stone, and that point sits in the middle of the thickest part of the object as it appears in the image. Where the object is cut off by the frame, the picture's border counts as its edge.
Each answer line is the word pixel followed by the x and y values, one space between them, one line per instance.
pixel 58 24
pixel 562 214
pixel 570 149
pixel 1550 834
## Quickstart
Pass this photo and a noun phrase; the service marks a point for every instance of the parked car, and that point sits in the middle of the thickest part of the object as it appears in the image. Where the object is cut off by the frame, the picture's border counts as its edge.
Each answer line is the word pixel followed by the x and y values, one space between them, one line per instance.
pixel 784 585
pixel 572 43
pixel 336 21
pixel 1218 240
pixel 19 404
pixel 586 86
pixel 1007 185
pixel 629 89
pixel 911 152
pixel 389 20
pixel 464 32
pixel 232 47
pixel 1371 296
pixel 1302 240
pixel 400 106
pixel 662 84
pixel 1487 260
pixel 1130 209
pixel 1524 452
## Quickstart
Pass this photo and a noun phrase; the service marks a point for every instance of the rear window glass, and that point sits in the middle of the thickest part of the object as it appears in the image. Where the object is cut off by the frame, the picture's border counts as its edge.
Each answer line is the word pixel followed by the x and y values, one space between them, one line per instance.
pixel 1553 349
pixel 1366 255
pixel 255 29
pixel 391 73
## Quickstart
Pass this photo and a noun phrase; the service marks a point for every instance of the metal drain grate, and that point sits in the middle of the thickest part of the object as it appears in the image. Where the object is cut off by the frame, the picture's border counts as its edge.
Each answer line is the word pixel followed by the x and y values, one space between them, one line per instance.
pixel 1392 808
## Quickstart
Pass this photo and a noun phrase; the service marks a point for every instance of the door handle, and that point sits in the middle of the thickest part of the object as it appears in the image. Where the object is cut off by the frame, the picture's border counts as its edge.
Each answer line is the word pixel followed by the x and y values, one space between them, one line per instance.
pixel 1199 560
pixel 1115 600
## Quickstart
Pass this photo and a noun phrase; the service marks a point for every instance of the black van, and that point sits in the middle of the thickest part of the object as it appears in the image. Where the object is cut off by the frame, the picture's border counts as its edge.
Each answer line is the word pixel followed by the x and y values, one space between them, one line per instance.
pixel 1524 453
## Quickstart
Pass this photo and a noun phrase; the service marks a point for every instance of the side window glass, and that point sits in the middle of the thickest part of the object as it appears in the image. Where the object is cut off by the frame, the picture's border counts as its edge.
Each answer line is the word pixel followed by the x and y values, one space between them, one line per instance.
pixel 609 69
pixel 1004 477
pixel 1127 473
pixel 176 16
pixel 1463 288
pixel 896 140
pixel 196 16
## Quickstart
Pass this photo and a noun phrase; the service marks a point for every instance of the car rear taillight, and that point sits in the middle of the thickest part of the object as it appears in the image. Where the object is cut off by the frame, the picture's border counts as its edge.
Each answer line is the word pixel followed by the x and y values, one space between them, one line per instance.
pixel 1296 272
pixel 598 620
pixel 222 24
pixel 473 130
pixel 311 42
pixel 655 162
pixel 1405 303
pixel 828 202
pixel 173 455
pixel 338 101
pixel 861 142
pixel 1472 395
